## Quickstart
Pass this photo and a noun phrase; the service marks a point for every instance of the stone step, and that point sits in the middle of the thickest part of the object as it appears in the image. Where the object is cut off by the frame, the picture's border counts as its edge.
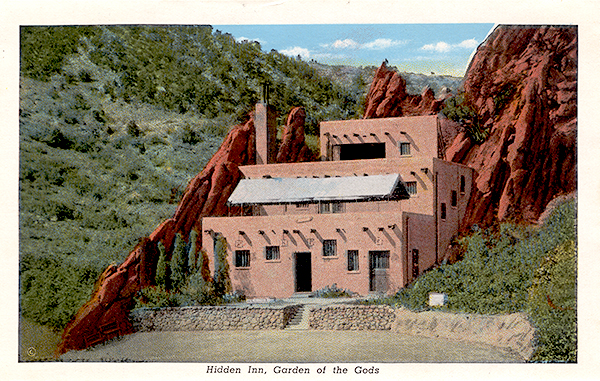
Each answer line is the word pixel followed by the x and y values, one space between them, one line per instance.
pixel 300 321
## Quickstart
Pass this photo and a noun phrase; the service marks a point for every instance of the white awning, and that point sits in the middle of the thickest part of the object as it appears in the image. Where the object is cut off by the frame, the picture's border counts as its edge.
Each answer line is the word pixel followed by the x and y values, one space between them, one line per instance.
pixel 282 190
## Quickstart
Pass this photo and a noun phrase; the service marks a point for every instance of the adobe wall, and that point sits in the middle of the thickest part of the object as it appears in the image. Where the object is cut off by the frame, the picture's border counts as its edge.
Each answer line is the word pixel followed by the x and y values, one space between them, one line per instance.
pixel 420 131
pixel 199 318
pixel 448 181
pixel 276 278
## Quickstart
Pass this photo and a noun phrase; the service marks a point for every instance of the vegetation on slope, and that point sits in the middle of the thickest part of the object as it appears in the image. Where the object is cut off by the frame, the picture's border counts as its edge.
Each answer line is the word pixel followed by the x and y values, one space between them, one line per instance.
pixel 114 122
pixel 513 268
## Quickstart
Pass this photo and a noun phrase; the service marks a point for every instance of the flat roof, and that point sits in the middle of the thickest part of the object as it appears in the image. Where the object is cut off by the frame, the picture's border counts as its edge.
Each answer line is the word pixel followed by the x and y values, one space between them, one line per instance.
pixel 307 189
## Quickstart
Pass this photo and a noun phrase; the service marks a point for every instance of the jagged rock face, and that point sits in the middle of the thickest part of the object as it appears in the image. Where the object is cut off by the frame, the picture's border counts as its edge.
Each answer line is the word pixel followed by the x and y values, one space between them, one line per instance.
pixel 523 82
pixel 206 195
pixel 293 146
pixel 387 97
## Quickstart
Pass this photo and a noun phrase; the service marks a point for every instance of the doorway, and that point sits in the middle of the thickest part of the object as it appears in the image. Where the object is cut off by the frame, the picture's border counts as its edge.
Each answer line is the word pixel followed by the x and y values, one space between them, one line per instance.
pixel 379 263
pixel 303 272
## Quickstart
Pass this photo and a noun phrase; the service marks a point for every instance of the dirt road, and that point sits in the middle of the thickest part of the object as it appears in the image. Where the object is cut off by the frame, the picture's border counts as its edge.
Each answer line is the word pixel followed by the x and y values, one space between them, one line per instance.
pixel 291 346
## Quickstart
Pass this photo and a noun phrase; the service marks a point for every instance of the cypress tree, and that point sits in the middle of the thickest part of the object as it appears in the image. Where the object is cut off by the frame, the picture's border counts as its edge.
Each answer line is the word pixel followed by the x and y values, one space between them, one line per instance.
pixel 178 262
pixel 191 263
pixel 161 266
pixel 221 280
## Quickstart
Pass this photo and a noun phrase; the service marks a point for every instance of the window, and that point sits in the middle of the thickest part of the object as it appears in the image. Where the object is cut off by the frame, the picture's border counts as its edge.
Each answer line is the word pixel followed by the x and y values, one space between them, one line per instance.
pixel 454 199
pixel 404 148
pixel 271 253
pixel 380 259
pixel 443 211
pixel 331 207
pixel 242 258
pixel 352 260
pixel 329 247
pixel 462 185
pixel 302 205
pixel 411 187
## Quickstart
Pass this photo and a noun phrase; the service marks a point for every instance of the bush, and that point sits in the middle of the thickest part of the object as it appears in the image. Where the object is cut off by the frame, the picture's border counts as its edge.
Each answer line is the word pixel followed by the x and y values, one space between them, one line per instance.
pixel 157 296
pixel 332 291
pixel 461 109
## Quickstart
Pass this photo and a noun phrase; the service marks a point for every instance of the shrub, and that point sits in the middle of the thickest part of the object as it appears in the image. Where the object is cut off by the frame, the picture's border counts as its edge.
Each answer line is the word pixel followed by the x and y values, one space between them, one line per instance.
pixel 157 296
pixel 461 109
pixel 552 305
pixel 332 291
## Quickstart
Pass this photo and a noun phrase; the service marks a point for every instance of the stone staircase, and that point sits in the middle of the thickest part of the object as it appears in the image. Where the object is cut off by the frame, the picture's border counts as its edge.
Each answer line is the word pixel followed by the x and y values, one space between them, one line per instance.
pixel 300 321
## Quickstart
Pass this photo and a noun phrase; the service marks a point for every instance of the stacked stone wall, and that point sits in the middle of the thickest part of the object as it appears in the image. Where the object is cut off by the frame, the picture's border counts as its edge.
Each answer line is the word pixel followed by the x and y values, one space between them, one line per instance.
pixel 212 318
pixel 352 318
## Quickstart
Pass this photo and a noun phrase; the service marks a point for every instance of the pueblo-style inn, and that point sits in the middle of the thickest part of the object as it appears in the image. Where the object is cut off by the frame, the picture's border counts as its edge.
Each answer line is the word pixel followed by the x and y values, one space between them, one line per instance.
pixel 378 209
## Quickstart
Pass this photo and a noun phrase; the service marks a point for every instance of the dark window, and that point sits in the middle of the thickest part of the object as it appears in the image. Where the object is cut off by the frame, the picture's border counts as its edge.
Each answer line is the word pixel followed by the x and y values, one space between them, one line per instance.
pixel 271 253
pixel 302 205
pixel 242 258
pixel 329 247
pixel 415 263
pixel 380 259
pixel 454 199
pixel 352 260
pixel 443 211
pixel 362 151
pixel 331 207
pixel 411 187
pixel 462 184
pixel 404 148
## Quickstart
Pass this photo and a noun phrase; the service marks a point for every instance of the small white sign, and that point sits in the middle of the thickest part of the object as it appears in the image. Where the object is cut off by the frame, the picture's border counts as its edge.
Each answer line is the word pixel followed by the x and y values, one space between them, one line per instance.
pixel 437 299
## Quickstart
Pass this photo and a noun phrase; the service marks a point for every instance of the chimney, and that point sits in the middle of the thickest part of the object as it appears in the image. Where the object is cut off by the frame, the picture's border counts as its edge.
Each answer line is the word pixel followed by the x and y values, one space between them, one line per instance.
pixel 266 130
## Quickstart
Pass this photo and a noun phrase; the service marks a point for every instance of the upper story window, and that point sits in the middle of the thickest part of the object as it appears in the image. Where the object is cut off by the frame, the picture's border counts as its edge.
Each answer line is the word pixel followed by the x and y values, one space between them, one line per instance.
pixel 271 253
pixel 463 184
pixel 329 248
pixel 443 211
pixel 454 198
pixel 404 148
pixel 302 205
pixel 411 187
pixel 331 207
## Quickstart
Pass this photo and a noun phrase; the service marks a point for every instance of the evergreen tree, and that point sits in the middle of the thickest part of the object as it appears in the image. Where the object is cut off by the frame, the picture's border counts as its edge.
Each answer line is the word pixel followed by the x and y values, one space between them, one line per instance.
pixel 161 266
pixel 221 280
pixel 202 265
pixel 178 265
pixel 192 266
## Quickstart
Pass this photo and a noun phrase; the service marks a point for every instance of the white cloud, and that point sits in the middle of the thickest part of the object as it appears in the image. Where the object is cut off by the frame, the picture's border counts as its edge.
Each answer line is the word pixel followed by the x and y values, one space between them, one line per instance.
pixel 383 43
pixel 378 44
pixel 241 39
pixel 444 47
pixel 295 51
pixel 469 44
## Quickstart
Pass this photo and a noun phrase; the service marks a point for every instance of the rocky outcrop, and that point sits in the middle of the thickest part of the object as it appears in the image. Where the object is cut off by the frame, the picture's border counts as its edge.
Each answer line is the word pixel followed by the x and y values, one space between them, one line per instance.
pixel 105 315
pixel 523 82
pixel 293 146
pixel 387 97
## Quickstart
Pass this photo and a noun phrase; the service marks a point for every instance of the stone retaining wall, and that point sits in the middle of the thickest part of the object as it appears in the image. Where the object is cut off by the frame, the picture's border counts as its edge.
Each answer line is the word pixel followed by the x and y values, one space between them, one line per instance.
pixel 212 318
pixel 355 317
pixel 512 331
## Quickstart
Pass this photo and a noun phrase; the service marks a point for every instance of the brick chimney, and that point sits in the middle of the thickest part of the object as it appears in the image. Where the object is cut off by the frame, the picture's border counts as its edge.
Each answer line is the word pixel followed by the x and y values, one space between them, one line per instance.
pixel 266 130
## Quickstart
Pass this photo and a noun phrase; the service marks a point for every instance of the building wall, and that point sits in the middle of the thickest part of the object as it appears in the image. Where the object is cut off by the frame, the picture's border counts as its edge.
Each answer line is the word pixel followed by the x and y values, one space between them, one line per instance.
pixel 357 231
pixel 420 131
pixel 449 179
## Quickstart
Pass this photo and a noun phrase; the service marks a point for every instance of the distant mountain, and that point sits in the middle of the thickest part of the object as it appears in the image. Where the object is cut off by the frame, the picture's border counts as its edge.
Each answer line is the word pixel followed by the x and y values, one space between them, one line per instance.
pixel 359 78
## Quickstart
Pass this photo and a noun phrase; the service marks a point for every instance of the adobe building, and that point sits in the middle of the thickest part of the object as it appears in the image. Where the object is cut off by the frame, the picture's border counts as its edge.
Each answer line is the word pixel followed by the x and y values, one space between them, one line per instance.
pixel 379 208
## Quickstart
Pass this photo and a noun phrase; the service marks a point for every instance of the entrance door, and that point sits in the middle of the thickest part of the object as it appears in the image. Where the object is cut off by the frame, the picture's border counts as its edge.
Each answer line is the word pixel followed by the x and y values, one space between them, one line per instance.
pixel 379 263
pixel 303 272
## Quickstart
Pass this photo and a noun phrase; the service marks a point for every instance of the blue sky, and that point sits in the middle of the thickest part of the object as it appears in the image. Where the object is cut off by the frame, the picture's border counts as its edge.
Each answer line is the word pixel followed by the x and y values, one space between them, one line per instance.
pixel 419 48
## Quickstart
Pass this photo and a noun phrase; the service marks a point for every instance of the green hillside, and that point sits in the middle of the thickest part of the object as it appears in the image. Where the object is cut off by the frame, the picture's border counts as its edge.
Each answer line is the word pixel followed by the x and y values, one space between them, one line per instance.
pixel 114 122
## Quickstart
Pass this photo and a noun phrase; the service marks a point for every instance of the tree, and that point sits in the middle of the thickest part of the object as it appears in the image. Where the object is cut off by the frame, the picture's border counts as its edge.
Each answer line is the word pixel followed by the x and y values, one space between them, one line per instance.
pixel 221 280
pixel 192 252
pixel 161 266
pixel 178 265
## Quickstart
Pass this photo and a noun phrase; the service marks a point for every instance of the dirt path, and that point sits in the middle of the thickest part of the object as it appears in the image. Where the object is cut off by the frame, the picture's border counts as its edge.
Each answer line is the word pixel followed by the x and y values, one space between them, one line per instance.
pixel 290 346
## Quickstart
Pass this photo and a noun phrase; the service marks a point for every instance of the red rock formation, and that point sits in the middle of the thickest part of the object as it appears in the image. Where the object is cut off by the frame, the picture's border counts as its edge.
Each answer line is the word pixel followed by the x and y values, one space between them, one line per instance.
pixel 523 81
pixel 387 97
pixel 293 146
pixel 105 315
